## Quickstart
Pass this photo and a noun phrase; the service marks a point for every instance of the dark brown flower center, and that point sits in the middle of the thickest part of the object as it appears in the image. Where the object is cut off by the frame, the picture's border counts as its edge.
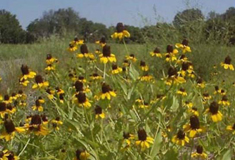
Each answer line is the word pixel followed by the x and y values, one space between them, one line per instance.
pixel 199 149
pixel 199 80
pixel 49 56
pixel 44 118
pixel 83 49
pixel 114 66
pixel 214 107
pixel 185 66
pixel 194 122
pixel 234 126
pixel 156 50
pixel 36 120
pixel 102 40
pixel 182 89
pixel 6 97
pixel 224 98
pixel 38 79
pixel 172 72
pixel 126 135
pixel 216 88
pixel 185 42
pixel 2 106
pixel 180 135
pixel 142 64
pixel 37 103
pixel 169 49
pixel 120 27
pixel 227 60
pixel 142 135
pixel 78 86
pixel 81 97
pixel 9 125
pixel 98 110
pixel 106 51
pixel 105 88
pixel 24 69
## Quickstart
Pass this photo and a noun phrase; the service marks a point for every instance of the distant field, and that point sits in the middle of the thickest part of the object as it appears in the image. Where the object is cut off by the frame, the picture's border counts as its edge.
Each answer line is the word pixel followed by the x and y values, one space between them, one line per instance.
pixel 203 56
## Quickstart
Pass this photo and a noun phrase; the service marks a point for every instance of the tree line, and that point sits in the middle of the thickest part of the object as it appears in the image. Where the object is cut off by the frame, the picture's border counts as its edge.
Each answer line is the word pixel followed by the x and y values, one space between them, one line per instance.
pixel 190 23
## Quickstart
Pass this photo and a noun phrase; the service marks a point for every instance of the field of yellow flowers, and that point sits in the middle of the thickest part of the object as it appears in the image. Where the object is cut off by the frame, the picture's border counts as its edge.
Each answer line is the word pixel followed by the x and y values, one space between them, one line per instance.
pixel 92 105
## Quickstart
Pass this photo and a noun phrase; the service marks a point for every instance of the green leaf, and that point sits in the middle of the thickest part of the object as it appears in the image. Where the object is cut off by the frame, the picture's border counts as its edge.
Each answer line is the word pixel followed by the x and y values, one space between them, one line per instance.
pixel 227 155
pixel 156 145
pixel 133 72
pixel 170 155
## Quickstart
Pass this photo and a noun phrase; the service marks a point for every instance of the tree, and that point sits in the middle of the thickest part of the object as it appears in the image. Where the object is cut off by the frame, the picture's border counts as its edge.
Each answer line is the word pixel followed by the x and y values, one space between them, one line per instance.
pixel 187 15
pixel 10 29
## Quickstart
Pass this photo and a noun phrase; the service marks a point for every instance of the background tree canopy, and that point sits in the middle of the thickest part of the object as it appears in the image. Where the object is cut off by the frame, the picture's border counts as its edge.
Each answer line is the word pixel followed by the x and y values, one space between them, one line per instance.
pixel 190 23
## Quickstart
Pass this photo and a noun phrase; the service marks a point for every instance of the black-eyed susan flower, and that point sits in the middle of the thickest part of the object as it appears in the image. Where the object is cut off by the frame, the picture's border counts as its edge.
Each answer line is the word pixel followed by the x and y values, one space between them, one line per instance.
pixel 116 69
pixel 156 53
pixel 10 130
pixel 3 109
pixel 84 52
pixel 199 153
pixel 72 47
pixel 194 127
pixel 82 155
pixel 173 77
pixel 4 154
pixel 182 92
pixel 143 140
pixel 36 126
pixel 56 123
pixel 127 138
pixel 213 109
pixel 184 46
pixel 143 66
pixel 79 86
pixel 141 103
pixel 61 98
pixel 131 57
pixel 193 111
pixel 26 73
pixel 107 56
pixel 102 41
pixel 146 77
pixel 24 82
pixel 40 83
pixel 44 119
pixel 180 138
pixel 95 76
pixel 50 93
pixel 182 59
pixel 99 112
pixel 219 91
pixel 77 41
pixel 11 109
pixel 50 67
pixel 106 93
pixel 59 91
pixel 82 100
pixel 126 63
pixel 171 53
pixel 37 106
pixel 7 99
pixel 200 83
pixel 120 32
pixel 227 63
pixel 231 128
pixel 206 96
pixel 224 101
pixel 50 59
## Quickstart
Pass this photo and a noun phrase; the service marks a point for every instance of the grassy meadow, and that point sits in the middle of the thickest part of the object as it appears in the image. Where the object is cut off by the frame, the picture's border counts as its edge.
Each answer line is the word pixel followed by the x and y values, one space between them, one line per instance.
pixel 91 105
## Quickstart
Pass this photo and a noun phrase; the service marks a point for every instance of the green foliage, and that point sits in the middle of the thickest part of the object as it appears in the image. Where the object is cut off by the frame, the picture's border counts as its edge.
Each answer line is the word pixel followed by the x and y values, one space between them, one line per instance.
pixel 10 29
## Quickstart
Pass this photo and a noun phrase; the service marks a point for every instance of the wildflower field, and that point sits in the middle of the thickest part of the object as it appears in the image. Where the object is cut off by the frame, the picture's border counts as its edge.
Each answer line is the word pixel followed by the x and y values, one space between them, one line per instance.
pixel 120 101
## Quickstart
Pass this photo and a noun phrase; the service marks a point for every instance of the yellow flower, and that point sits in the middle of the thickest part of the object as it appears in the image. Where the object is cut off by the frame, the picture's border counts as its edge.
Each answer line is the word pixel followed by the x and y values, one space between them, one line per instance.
pixel 143 140
pixel 231 128
pixel 206 96
pixel 216 115
pixel 99 113
pixel 102 42
pixel 10 130
pixel 95 76
pixel 3 109
pixel 36 126
pixel 200 83
pixel 82 155
pixel 50 60
pixel 121 32
pixel 143 66
pixel 199 153
pixel 85 53
pixel 146 78
pixel 224 101
pixel 173 77
pixel 56 123
pixel 184 46
pixel 194 111
pixel 131 57
pixel 127 137
pixel 77 41
pixel 82 100
pixel 37 106
pixel 182 92
pixel 107 92
pixel 26 73
pixel 72 47
pixel 40 83
pixel 227 63
pixel 116 69
pixel 7 99
pixel 24 82
pixel 219 91
pixel 156 53
pixel 180 138
pixel 107 56
pixel 194 127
